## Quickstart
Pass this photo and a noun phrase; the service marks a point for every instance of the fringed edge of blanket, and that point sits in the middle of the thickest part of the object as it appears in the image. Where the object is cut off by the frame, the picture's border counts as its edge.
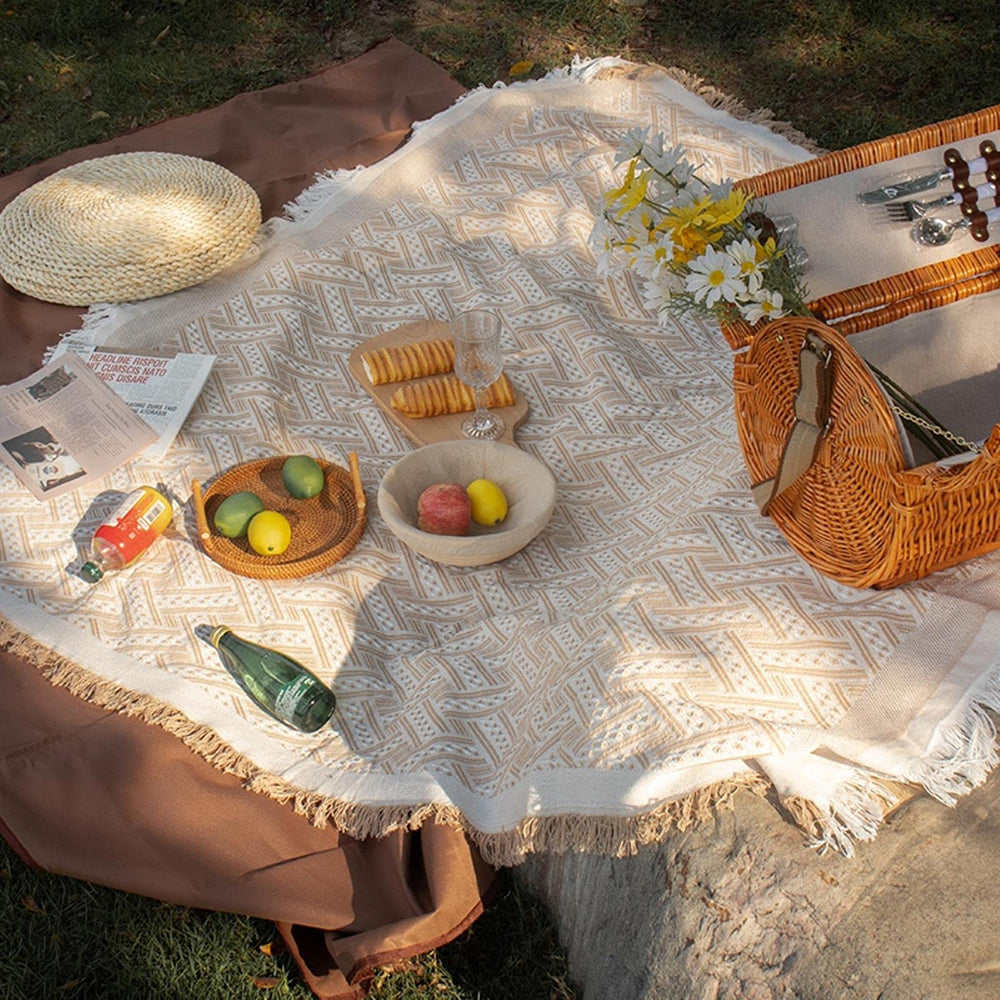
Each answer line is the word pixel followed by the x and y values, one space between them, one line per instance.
pixel 963 754
pixel 717 99
pixel 613 835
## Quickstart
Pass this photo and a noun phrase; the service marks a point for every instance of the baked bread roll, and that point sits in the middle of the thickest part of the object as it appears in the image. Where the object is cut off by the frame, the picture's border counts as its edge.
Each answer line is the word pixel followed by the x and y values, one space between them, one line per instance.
pixel 399 364
pixel 447 394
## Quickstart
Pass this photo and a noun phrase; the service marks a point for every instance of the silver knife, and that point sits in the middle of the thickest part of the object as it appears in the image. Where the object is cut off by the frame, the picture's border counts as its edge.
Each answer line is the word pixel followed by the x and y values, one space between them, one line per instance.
pixel 903 189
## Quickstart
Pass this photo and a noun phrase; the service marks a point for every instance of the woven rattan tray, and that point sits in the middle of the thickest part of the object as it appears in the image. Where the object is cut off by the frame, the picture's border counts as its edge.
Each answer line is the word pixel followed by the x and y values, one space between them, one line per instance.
pixel 324 528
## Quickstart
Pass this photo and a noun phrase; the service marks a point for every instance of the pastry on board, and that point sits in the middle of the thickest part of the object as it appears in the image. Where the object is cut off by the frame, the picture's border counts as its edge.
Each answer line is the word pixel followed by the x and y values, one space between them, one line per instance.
pixel 447 394
pixel 408 361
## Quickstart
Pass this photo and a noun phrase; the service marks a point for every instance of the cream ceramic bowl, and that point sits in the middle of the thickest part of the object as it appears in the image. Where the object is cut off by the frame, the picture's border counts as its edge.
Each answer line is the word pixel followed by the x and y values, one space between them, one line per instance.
pixel 528 485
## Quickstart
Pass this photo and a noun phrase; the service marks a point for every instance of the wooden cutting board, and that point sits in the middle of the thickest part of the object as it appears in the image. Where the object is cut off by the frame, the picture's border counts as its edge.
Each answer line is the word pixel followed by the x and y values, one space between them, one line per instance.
pixel 427 430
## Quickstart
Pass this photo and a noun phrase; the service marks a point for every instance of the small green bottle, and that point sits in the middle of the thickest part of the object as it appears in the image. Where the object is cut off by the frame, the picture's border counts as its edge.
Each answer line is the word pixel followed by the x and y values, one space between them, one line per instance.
pixel 280 685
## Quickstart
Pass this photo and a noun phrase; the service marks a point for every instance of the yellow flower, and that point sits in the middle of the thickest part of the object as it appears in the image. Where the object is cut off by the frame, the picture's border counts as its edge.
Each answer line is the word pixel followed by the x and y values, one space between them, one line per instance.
pixel 688 244
pixel 728 209
pixel 768 250
pixel 635 193
pixel 687 217
pixel 615 193
pixel 632 191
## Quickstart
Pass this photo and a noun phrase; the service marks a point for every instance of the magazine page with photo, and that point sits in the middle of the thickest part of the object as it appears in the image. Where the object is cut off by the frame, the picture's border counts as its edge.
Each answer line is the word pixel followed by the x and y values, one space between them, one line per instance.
pixel 62 427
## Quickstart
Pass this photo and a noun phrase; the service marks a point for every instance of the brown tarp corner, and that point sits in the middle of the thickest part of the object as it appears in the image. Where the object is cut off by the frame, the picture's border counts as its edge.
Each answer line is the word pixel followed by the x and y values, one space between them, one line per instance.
pixel 99 796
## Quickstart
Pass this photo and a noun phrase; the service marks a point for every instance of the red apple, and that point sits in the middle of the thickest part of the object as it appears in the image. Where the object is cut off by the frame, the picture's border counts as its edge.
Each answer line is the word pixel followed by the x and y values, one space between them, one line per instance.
pixel 444 509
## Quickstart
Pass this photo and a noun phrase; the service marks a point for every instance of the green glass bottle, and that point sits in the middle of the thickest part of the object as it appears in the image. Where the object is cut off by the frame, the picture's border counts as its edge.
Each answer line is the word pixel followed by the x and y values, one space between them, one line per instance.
pixel 280 685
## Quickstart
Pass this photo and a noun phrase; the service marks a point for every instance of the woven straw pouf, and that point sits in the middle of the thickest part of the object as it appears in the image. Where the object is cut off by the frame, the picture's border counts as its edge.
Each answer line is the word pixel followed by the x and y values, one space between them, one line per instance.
pixel 125 227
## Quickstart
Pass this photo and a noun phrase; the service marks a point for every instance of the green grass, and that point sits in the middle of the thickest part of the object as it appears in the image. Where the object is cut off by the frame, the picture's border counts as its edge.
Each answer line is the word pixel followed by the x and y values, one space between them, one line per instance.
pixel 66 938
pixel 80 71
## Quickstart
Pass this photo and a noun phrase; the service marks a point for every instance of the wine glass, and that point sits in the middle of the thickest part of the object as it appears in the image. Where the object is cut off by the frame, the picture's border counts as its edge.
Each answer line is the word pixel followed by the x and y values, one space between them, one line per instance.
pixel 478 364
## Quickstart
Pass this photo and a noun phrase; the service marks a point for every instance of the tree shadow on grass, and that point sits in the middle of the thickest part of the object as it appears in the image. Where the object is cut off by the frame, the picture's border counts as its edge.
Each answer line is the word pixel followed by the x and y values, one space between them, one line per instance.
pixel 842 73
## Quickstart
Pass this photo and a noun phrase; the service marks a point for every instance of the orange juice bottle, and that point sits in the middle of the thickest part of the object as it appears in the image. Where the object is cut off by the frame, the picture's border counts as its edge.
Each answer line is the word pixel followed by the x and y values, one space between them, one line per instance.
pixel 133 526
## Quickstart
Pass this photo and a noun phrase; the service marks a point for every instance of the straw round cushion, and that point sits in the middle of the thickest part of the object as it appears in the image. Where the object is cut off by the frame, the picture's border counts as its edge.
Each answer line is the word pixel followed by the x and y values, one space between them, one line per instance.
pixel 125 227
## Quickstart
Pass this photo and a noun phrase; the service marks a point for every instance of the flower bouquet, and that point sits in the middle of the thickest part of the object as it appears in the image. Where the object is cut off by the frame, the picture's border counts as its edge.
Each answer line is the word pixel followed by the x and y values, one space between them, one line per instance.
pixel 701 247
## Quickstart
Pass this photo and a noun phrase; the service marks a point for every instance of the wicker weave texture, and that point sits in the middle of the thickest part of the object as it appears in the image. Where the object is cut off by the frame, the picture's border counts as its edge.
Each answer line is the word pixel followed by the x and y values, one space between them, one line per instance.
pixel 877 151
pixel 858 514
pixel 324 528
pixel 125 227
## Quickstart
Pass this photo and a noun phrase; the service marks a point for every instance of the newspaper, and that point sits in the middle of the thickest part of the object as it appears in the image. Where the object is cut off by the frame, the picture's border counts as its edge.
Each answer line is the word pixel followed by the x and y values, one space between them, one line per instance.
pixel 160 390
pixel 62 427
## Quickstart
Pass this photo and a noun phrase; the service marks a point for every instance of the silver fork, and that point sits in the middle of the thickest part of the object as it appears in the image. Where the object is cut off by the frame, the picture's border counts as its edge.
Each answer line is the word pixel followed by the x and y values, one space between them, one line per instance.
pixel 910 211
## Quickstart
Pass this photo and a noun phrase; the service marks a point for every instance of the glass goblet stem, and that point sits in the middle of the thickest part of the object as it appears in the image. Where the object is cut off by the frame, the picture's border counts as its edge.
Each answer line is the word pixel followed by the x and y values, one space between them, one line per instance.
pixel 482 412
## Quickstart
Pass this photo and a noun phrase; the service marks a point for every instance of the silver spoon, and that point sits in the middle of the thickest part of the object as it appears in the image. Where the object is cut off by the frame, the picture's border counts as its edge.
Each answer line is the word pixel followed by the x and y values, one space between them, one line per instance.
pixel 933 231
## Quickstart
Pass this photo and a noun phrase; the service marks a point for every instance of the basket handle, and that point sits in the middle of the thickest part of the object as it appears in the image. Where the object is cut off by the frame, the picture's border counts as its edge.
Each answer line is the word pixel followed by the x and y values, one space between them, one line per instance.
pixel 359 492
pixel 812 419
pixel 199 515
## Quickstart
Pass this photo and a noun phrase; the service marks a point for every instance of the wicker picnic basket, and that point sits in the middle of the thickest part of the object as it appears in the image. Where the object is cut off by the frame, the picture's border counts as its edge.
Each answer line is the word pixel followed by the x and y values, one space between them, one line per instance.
pixel 851 507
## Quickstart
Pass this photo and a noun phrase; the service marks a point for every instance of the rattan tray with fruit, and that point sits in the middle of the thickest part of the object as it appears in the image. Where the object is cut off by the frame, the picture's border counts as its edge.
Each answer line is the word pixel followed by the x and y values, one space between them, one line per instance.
pixel 282 517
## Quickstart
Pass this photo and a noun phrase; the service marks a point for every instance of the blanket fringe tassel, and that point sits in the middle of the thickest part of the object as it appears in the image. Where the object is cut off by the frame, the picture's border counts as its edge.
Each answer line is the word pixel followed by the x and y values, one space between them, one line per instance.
pixel 963 754
pixel 614 835
pixel 960 758
pixel 853 812
pixel 696 85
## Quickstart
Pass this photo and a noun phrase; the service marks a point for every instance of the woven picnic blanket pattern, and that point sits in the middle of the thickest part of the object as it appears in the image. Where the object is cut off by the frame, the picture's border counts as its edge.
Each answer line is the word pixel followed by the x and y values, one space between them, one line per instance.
pixel 657 647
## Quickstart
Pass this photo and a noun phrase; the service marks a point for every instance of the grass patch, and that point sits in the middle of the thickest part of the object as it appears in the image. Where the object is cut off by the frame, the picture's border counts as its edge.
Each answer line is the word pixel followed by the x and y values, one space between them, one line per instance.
pixel 842 73
pixel 67 938
pixel 74 72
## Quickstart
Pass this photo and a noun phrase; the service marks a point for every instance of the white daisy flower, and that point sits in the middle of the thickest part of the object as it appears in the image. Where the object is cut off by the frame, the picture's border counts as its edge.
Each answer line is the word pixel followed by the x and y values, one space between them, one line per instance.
pixel 651 259
pixel 657 295
pixel 715 275
pixel 600 242
pixel 693 190
pixel 667 161
pixel 763 305
pixel 631 145
pixel 721 190
pixel 752 270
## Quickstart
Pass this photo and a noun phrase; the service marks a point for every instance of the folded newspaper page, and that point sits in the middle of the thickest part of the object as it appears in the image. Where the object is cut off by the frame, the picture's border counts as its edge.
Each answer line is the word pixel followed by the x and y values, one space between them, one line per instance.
pixel 62 427
pixel 160 390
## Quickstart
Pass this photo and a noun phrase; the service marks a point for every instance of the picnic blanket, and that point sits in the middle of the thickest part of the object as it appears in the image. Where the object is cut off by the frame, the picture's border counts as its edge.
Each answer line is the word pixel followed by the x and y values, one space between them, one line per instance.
pixel 105 797
pixel 657 647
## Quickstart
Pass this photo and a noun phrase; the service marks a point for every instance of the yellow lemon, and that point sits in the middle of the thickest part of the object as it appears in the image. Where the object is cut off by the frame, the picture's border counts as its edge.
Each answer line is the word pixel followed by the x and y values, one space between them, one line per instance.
pixel 269 533
pixel 489 505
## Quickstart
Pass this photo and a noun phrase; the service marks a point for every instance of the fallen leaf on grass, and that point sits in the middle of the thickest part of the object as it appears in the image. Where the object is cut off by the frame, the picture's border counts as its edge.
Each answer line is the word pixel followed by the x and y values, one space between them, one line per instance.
pixel 272 948
pixel 99 114
pixel 30 904
pixel 265 982
pixel 521 67
pixel 163 34
pixel 70 984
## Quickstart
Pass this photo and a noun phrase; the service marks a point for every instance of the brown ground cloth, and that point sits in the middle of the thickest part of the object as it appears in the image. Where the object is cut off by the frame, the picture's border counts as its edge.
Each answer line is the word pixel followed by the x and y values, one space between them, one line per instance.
pixel 99 796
